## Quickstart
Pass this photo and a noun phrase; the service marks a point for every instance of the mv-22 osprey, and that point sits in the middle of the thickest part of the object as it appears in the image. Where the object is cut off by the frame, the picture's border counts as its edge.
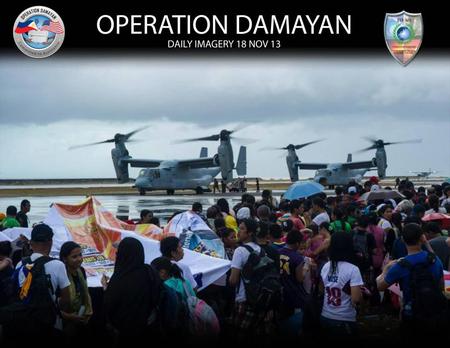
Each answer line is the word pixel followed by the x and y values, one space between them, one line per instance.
pixel 341 173
pixel 177 174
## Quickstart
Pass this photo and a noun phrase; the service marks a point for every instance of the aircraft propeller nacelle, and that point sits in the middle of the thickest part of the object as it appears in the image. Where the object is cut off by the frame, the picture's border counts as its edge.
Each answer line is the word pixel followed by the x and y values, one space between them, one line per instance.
pixel 381 162
pixel 216 160
pixel 121 168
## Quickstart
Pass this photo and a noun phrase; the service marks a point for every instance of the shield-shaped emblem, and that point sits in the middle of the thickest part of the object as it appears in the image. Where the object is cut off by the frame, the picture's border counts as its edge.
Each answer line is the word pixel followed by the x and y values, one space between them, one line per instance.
pixel 403 34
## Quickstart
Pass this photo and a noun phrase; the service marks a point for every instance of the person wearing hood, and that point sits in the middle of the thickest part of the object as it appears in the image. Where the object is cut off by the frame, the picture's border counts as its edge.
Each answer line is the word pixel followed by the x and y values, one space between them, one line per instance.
pixel 131 294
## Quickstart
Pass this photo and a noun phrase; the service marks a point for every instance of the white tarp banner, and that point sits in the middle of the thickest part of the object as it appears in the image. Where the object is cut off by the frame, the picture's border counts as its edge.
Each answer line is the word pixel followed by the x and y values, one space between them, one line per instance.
pixel 99 232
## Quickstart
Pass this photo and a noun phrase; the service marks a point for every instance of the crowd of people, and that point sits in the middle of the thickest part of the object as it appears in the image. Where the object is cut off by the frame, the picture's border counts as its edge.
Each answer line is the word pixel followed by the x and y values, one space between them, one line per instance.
pixel 309 268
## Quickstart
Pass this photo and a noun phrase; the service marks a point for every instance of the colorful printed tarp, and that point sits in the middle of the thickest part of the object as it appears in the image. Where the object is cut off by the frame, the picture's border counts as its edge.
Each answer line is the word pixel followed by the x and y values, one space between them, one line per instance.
pixel 98 231
pixel 195 234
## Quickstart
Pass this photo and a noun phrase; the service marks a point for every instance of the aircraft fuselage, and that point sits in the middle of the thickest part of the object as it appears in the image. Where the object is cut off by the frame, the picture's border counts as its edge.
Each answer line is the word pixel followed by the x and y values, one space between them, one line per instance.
pixel 169 176
pixel 335 174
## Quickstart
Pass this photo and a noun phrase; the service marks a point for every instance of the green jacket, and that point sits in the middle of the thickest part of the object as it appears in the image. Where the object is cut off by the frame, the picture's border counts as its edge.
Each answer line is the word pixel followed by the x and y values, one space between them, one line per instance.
pixel 9 222
pixel 337 226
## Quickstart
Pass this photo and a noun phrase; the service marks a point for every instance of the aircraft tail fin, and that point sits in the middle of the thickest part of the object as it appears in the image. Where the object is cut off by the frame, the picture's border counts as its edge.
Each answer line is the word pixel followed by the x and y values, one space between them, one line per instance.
pixel 349 158
pixel 241 167
pixel 204 152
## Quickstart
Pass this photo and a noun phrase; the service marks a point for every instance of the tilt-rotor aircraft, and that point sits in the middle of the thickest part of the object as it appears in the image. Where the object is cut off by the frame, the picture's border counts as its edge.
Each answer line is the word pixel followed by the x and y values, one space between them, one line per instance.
pixel 341 173
pixel 170 175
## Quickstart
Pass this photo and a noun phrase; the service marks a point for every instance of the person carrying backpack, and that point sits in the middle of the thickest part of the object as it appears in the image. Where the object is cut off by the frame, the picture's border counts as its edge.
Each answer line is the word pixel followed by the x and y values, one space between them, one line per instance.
pixel 258 286
pixel 172 315
pixel 35 308
pixel 420 275
pixel 364 244
pixel 292 265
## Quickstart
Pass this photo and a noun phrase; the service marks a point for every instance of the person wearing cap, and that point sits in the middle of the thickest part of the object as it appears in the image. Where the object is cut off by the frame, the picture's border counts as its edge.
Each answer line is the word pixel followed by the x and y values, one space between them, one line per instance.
pixel 243 213
pixel 41 244
pixel 353 192
pixel 374 187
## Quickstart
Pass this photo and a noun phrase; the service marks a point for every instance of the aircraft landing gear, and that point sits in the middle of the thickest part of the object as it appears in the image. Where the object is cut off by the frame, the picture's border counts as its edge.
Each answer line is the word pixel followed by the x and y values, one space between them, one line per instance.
pixel 170 192
pixel 199 191
pixel 142 192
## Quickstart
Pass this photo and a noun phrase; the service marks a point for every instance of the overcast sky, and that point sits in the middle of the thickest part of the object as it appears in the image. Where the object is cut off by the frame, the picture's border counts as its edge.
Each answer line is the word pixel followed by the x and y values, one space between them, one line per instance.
pixel 48 105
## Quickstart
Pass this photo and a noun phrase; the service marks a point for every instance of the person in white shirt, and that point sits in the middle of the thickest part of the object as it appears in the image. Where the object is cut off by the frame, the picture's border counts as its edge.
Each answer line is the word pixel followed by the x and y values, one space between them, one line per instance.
pixel 406 205
pixel 41 244
pixel 385 213
pixel 318 206
pixel 433 202
pixel 244 316
pixel 342 283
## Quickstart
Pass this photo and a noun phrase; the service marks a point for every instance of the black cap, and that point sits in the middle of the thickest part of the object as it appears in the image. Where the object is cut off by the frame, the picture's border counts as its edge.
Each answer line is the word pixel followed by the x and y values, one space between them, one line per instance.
pixel 41 233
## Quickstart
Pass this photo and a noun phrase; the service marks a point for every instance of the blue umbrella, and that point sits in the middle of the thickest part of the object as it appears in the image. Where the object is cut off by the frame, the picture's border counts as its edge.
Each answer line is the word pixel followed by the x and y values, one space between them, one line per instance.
pixel 302 190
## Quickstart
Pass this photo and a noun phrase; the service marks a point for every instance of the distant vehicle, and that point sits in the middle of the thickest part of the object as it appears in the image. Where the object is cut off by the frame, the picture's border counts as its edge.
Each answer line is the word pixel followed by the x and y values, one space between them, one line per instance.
pixel 170 175
pixel 424 174
pixel 341 173
pixel 237 185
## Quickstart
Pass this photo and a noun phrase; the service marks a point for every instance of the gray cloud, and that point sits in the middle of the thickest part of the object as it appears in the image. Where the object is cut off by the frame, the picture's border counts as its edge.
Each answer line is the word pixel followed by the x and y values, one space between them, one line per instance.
pixel 211 92
pixel 49 105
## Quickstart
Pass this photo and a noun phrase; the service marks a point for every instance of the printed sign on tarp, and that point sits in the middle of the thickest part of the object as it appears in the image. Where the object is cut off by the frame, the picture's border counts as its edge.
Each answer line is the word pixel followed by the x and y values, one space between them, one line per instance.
pixel 99 232
pixel 195 234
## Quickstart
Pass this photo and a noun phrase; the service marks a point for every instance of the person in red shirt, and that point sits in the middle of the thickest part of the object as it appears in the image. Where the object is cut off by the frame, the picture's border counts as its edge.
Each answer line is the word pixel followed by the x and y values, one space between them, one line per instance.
pixel 296 210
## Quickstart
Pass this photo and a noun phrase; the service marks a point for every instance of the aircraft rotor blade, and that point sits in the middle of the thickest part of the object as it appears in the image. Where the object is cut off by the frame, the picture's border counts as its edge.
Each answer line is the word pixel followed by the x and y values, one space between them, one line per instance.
pixel 214 137
pixel 298 147
pixel 129 135
pixel 272 148
pixel 370 139
pixel 373 147
pixel 412 141
pixel 239 127
pixel 91 144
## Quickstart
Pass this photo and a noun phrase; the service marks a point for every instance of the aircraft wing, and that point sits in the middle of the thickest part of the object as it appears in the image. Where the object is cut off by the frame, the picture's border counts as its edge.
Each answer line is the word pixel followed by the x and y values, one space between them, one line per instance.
pixel 142 163
pixel 203 162
pixel 311 166
pixel 358 165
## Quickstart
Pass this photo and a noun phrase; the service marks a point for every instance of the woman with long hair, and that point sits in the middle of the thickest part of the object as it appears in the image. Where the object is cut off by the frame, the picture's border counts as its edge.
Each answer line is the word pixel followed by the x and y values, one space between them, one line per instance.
pixel 80 307
pixel 342 283
pixel 230 220
pixel 172 276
